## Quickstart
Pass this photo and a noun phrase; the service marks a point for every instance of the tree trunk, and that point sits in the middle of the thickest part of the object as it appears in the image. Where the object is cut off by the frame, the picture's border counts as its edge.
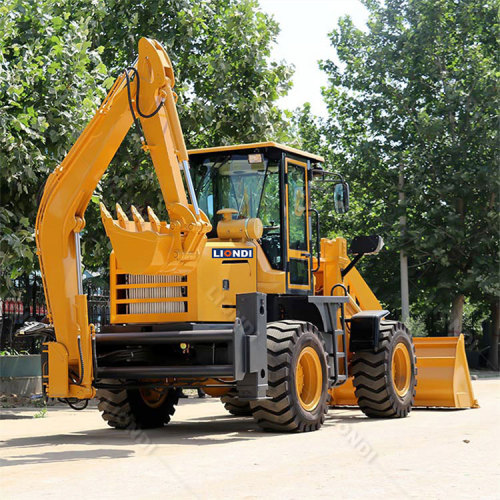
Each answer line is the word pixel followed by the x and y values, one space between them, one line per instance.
pixel 494 336
pixel 403 259
pixel 405 296
pixel 457 311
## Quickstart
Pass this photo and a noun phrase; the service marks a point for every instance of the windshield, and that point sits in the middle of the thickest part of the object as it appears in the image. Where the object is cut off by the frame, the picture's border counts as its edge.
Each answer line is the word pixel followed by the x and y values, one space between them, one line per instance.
pixel 249 183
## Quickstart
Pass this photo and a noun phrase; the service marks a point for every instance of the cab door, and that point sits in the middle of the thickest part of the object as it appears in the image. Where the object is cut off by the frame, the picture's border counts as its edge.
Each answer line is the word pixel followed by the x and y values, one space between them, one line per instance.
pixel 297 226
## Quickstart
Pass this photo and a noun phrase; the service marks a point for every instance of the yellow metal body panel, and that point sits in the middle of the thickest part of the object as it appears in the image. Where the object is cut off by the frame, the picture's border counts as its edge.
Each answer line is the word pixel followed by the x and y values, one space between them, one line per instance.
pixel 206 294
pixel 333 259
pixel 256 145
pixel 213 302
pixel 57 380
pixel 269 280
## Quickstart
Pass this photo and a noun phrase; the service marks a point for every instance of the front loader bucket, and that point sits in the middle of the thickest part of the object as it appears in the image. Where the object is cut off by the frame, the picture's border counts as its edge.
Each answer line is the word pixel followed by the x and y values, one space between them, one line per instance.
pixel 343 395
pixel 443 377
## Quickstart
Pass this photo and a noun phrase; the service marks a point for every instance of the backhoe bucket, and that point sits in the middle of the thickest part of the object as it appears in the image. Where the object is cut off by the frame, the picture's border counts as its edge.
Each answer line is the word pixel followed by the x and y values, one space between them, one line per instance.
pixel 155 247
pixel 443 378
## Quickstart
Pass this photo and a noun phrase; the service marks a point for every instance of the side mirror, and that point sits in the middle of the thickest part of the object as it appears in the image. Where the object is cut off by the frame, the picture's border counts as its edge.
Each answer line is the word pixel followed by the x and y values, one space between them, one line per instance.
pixel 366 245
pixel 341 197
pixel 340 189
pixel 363 245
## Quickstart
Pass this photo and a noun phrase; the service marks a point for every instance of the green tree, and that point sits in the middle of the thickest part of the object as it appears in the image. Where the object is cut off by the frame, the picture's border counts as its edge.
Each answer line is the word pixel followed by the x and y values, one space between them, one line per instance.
pixel 220 50
pixel 417 92
pixel 58 58
pixel 50 80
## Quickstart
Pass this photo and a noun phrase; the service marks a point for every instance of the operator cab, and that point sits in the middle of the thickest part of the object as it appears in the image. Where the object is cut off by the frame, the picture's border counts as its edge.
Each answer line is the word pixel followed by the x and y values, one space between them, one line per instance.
pixel 266 181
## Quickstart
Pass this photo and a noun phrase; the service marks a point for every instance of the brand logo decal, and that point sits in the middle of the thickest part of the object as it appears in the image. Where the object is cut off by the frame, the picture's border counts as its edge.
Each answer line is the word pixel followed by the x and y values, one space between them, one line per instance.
pixel 232 253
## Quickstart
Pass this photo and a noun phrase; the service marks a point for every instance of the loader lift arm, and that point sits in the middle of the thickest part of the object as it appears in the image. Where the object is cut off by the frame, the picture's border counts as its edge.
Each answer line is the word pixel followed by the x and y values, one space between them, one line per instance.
pixel 139 246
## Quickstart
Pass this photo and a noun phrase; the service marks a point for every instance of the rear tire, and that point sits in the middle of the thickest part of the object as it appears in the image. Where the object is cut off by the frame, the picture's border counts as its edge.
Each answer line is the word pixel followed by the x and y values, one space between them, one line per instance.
pixel 236 406
pixel 297 378
pixel 385 380
pixel 131 409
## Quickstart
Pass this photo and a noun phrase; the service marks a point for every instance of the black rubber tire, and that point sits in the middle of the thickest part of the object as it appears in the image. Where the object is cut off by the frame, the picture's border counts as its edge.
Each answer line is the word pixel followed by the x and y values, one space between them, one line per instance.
pixel 283 411
pixel 235 406
pixel 126 409
pixel 372 373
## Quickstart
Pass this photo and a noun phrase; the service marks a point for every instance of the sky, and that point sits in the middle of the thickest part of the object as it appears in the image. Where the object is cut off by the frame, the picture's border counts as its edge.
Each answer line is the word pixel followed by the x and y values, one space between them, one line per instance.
pixel 303 41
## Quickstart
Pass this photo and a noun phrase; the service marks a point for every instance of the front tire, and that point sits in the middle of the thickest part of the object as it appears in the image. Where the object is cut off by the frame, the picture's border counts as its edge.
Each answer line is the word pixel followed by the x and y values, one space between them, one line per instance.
pixel 136 408
pixel 385 380
pixel 297 378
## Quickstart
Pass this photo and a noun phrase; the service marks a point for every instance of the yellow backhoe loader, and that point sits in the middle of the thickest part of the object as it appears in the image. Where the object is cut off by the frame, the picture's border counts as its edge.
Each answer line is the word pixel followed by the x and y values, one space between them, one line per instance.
pixel 236 293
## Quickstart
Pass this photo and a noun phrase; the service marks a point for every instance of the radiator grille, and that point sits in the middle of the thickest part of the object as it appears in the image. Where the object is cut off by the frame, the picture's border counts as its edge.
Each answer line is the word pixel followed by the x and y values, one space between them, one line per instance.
pixel 149 298
pixel 162 291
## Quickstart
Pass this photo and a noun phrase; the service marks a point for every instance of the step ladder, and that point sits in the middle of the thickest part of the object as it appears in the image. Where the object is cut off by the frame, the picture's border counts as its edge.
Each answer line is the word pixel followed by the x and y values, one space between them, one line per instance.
pixel 328 307
pixel 339 376
pixel 340 372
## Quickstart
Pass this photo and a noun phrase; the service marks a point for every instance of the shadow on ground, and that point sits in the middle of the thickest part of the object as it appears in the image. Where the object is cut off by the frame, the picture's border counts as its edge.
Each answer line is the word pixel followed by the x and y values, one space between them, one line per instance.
pixel 14 416
pixel 64 456
pixel 112 443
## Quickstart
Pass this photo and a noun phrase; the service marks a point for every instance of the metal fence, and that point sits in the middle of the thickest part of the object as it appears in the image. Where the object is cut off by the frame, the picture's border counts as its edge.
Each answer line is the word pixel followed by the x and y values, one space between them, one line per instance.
pixel 98 306
pixel 27 303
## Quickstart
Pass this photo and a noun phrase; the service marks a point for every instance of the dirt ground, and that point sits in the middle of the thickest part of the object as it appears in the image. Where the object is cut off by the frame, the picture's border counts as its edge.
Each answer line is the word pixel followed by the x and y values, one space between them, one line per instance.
pixel 206 453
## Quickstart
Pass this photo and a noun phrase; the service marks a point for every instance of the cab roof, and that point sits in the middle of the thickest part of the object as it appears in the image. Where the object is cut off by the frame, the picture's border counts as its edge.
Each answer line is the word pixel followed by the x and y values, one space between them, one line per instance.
pixel 259 145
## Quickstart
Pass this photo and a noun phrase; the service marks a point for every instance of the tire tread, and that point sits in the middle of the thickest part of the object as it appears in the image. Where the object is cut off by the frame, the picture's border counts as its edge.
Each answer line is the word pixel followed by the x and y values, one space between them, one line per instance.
pixel 372 380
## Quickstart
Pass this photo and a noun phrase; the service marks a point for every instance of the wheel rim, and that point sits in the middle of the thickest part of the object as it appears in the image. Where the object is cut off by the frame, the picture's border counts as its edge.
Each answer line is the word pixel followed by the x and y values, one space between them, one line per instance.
pixel 309 378
pixel 153 397
pixel 401 369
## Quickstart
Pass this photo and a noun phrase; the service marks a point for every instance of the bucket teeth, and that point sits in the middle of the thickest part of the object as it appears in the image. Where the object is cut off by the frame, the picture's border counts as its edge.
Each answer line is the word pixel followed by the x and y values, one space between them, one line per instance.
pixel 153 219
pixel 121 216
pixel 139 221
pixel 104 211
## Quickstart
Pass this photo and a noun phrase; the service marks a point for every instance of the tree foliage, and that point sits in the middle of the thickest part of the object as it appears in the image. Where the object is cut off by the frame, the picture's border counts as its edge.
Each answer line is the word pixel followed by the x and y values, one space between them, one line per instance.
pixel 49 86
pixel 59 57
pixel 417 91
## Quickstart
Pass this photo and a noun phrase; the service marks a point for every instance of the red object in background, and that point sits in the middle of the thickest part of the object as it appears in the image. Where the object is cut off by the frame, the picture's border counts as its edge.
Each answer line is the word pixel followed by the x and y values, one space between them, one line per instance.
pixel 16 308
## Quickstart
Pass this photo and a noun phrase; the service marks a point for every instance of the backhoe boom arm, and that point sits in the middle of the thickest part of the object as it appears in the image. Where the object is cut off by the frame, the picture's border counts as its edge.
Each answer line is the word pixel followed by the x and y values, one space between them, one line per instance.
pixel 68 190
